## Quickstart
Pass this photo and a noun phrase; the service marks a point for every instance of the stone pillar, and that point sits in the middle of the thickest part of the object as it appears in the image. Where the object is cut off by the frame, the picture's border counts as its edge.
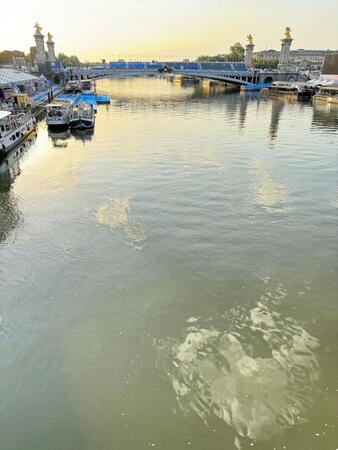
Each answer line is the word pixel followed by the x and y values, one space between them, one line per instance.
pixel 285 51
pixel 40 45
pixel 50 47
pixel 249 49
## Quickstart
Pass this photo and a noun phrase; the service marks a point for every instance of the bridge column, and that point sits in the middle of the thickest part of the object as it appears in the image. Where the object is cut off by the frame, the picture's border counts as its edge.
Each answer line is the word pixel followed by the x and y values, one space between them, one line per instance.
pixel 285 51
pixel 40 45
pixel 249 49
pixel 51 50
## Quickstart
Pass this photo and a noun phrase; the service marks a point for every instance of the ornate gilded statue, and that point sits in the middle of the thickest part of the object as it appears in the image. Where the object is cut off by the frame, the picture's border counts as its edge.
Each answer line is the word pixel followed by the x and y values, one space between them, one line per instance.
pixel 37 28
pixel 287 33
pixel 50 37
pixel 250 39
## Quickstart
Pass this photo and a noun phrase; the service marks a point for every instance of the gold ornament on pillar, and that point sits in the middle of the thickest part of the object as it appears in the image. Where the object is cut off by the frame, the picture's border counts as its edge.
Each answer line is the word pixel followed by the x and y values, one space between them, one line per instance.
pixel 37 29
pixel 50 38
pixel 250 39
pixel 287 33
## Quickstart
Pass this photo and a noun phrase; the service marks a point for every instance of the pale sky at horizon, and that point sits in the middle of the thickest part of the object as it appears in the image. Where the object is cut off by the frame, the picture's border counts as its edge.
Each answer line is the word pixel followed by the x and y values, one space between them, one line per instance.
pixel 98 29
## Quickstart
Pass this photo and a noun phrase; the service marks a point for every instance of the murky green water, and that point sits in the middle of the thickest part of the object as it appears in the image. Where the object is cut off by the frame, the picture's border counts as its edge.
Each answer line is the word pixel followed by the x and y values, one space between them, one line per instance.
pixel 171 280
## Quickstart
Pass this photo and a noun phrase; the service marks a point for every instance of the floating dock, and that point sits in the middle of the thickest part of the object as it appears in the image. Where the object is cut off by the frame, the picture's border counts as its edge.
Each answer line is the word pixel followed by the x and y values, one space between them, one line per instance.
pixel 72 98
pixel 91 99
pixel 88 98
pixel 102 99
pixel 254 86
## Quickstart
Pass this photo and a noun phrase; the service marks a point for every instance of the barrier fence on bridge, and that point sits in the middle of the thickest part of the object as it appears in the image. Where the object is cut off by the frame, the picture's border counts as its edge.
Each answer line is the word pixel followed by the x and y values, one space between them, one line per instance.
pixel 228 72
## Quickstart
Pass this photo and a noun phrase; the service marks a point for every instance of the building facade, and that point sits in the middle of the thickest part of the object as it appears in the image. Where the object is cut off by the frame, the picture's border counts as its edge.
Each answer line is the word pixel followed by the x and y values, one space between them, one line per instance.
pixel 299 55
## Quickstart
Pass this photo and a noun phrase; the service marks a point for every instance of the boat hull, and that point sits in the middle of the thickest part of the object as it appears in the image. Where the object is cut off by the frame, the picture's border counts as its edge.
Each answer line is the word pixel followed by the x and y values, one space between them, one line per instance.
pixel 58 123
pixel 75 124
pixel 333 100
pixel 326 99
pixel 14 138
pixel 58 127
pixel 302 96
pixel 5 151
pixel 87 124
pixel 81 124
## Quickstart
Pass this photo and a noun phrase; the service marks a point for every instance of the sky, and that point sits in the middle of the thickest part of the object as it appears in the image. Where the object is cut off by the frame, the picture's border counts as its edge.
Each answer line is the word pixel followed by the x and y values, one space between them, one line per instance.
pixel 96 29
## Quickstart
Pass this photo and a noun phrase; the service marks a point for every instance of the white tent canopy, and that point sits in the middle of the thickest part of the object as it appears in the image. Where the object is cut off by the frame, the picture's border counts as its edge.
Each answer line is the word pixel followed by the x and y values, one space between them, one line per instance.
pixel 9 76
pixel 324 80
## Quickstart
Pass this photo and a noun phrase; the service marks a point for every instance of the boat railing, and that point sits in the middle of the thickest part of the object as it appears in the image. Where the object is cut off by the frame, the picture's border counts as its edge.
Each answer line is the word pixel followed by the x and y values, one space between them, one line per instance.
pixel 20 119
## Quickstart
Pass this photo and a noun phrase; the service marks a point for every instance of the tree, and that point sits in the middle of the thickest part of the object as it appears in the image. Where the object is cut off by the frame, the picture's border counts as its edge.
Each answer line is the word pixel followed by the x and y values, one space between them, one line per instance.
pixel 237 52
pixel 6 57
pixel 265 63
pixel 68 60
pixel 31 56
pixel 74 60
pixel 217 58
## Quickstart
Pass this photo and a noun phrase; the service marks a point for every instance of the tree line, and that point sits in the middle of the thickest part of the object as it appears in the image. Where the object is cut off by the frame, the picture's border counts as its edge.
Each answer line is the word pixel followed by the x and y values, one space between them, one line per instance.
pixel 237 54
pixel 6 57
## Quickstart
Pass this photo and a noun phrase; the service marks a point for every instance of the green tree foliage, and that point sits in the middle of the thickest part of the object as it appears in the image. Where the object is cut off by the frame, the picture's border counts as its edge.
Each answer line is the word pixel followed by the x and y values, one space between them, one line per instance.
pixel 31 56
pixel 265 63
pixel 68 61
pixel 217 58
pixel 237 52
pixel 6 57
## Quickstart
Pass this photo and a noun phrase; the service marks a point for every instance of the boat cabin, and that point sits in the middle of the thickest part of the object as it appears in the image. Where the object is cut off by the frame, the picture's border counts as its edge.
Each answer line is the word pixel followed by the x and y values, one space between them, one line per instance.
pixel 87 86
pixel 329 91
pixel 5 122
pixel 57 108
pixel 13 129
pixel 10 122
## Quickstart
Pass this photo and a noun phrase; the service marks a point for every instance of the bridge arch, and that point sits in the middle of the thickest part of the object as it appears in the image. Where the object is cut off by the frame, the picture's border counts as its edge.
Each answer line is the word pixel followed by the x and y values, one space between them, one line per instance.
pixel 268 80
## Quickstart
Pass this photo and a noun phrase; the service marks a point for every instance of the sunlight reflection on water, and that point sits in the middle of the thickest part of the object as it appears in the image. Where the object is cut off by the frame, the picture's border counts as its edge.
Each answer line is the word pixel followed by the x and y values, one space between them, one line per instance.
pixel 257 373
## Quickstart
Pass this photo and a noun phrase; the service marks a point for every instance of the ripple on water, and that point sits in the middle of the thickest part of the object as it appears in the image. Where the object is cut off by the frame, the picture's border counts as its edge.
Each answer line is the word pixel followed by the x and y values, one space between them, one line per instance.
pixel 256 372
pixel 117 215
pixel 269 193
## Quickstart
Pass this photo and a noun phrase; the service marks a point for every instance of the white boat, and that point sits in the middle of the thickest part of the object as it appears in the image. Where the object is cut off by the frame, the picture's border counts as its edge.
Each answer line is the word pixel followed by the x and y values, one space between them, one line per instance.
pixel 298 91
pixel 328 94
pixel 87 86
pixel 58 113
pixel 73 87
pixel 14 128
pixel 10 165
pixel 82 116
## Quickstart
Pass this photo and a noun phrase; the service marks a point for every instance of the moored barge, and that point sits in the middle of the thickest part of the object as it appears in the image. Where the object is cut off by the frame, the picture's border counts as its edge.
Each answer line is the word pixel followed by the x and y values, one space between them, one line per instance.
pixel 14 128
pixel 289 90
pixel 328 94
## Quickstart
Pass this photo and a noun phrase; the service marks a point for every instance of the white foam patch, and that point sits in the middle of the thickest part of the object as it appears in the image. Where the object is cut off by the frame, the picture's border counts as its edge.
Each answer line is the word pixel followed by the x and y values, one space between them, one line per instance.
pixel 117 215
pixel 269 193
pixel 192 320
pixel 256 373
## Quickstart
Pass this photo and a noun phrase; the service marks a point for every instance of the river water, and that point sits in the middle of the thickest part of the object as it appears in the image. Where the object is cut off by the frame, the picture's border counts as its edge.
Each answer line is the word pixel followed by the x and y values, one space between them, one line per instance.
pixel 170 281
